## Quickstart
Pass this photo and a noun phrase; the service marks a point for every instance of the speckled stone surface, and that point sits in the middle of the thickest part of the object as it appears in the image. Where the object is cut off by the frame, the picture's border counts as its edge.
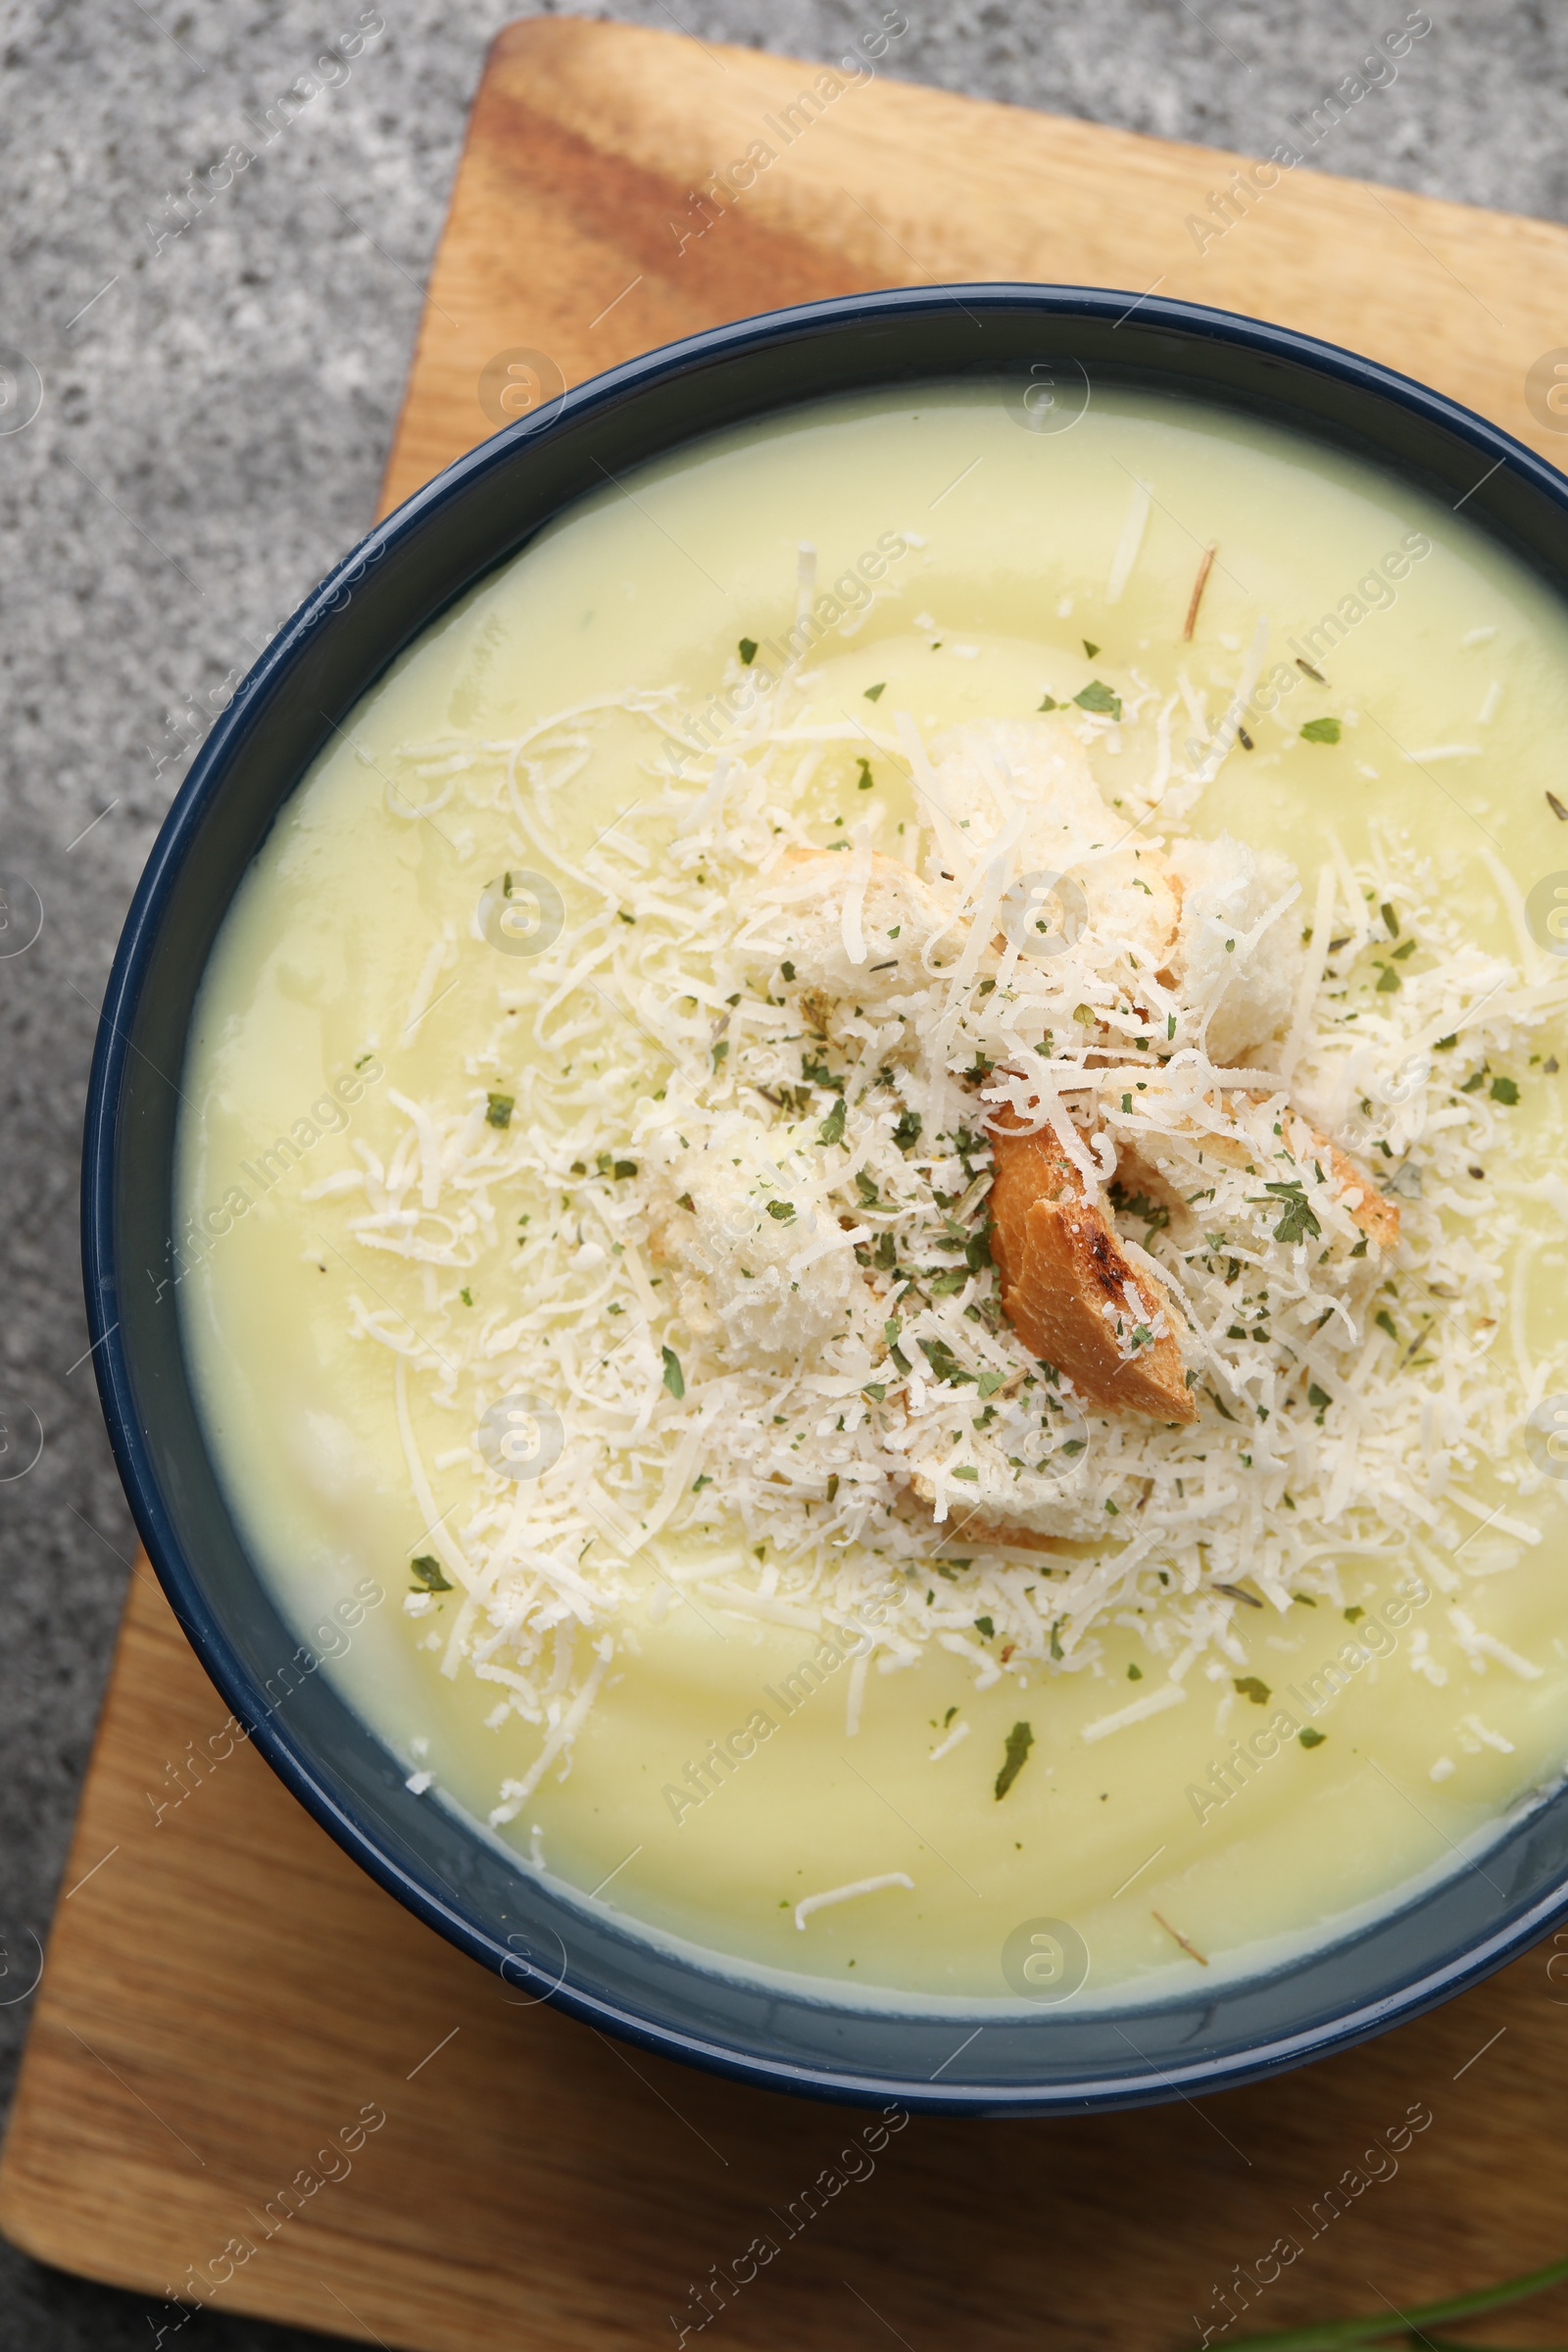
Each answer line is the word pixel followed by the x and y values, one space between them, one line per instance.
pixel 213 417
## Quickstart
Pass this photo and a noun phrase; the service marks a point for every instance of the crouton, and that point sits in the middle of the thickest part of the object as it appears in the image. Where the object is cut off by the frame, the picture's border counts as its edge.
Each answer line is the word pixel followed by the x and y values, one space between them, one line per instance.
pixel 1172 1156
pixel 1377 1216
pixel 1234 966
pixel 977 1528
pixel 1061 1267
pixel 899 914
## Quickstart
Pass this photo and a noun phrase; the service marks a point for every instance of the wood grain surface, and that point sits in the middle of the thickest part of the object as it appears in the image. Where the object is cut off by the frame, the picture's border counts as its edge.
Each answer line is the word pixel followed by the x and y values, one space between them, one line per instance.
pixel 597 214
pixel 253 2080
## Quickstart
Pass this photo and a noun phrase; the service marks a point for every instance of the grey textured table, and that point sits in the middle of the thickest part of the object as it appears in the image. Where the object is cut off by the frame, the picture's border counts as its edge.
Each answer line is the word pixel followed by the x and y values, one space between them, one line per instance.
pixel 215 410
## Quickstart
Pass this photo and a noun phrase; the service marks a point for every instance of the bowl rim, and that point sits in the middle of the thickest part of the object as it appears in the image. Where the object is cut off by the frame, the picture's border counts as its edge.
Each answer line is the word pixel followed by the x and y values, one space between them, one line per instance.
pixel 200 1617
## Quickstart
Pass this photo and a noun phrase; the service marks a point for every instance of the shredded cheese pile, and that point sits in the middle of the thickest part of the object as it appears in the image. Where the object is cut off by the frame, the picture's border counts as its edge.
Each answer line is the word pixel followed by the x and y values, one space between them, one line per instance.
pixel 728 1235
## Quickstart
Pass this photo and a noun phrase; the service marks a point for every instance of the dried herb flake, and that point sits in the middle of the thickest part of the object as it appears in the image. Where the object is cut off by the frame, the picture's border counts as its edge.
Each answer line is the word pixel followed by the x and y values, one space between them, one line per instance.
pixel 1020 1739
pixel 1298 1222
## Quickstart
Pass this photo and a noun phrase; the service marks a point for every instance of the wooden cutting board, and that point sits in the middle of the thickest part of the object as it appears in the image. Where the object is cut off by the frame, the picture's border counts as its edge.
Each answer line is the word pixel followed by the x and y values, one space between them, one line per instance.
pixel 255 2080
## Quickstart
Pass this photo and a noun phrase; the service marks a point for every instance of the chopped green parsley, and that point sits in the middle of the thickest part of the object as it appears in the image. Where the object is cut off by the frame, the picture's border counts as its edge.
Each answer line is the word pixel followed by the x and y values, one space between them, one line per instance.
pixel 1020 1739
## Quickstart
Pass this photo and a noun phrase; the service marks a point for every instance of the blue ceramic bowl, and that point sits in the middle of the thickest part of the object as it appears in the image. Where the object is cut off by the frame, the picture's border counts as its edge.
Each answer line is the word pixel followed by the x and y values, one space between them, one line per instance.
pixel 475 516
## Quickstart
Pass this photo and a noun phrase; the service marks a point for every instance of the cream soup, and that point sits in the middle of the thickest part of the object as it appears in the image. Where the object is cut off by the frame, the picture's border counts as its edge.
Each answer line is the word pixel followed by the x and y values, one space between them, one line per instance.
pixel 881 1138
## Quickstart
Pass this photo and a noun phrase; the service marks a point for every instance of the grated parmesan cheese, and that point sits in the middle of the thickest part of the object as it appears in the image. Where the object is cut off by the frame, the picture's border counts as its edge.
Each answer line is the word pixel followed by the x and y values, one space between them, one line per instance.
pixel 754 1097
pixel 848 1895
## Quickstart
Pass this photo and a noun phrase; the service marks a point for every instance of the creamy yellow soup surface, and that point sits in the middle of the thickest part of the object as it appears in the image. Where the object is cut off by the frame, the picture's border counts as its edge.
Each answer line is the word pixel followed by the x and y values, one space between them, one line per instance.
pixel 439 1223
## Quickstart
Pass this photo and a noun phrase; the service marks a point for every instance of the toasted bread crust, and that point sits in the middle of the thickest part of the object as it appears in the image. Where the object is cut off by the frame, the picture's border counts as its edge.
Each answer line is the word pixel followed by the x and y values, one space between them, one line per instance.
pixel 1061 1266
pixel 1377 1216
